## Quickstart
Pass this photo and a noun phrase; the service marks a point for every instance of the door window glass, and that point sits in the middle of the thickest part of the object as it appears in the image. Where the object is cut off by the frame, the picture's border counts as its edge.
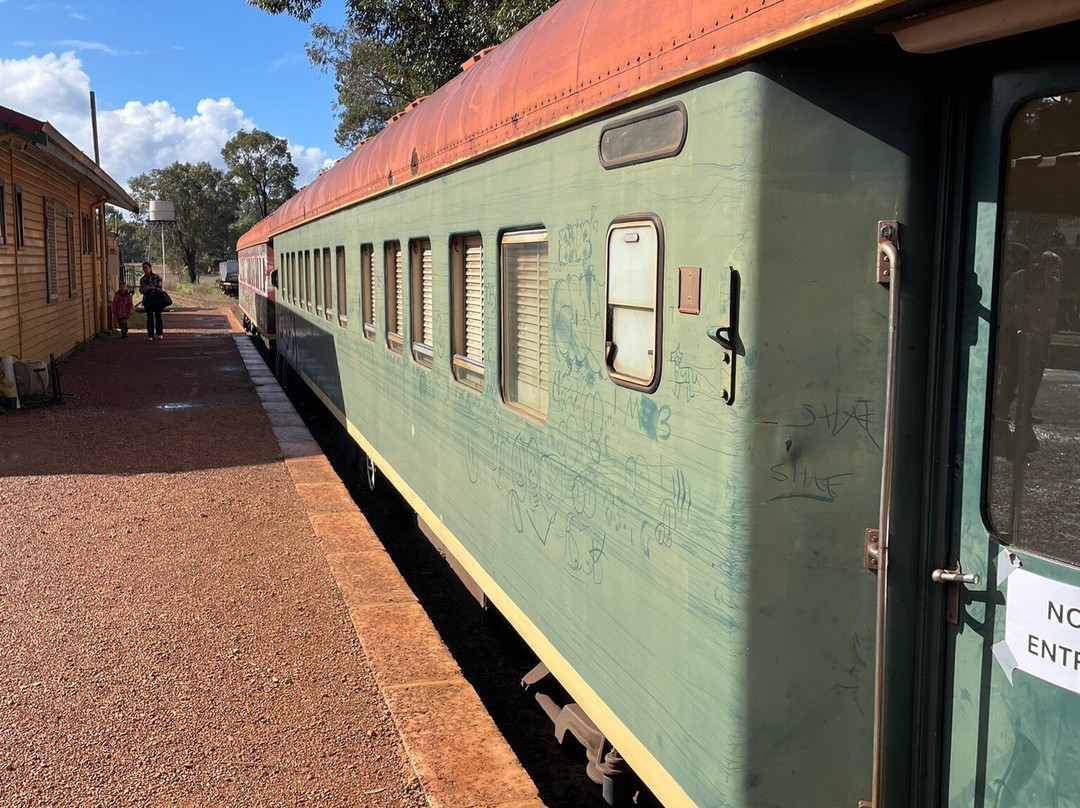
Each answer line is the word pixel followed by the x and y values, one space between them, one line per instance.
pixel 1033 490
pixel 632 339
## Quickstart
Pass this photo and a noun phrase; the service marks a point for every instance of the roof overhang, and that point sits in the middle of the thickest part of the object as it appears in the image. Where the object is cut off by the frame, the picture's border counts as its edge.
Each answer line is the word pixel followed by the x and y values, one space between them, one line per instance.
pixel 46 137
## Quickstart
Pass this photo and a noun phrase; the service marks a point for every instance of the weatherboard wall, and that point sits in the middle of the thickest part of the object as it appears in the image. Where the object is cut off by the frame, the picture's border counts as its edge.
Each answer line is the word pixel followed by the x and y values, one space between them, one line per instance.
pixel 32 325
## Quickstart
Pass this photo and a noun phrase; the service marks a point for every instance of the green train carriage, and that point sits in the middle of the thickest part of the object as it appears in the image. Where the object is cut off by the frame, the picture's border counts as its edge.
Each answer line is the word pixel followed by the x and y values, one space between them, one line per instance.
pixel 725 383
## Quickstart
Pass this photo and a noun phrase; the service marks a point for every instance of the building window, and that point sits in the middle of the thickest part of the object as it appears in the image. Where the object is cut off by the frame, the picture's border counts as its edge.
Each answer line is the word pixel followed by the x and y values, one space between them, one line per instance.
pixel 69 225
pixel 51 284
pixel 3 214
pixel 632 334
pixel 523 263
pixel 367 289
pixel 20 233
pixel 327 284
pixel 395 295
pixel 422 286
pixel 467 309
pixel 87 235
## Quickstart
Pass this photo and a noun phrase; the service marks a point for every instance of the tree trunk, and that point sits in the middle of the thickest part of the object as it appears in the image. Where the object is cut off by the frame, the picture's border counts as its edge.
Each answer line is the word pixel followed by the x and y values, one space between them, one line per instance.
pixel 192 270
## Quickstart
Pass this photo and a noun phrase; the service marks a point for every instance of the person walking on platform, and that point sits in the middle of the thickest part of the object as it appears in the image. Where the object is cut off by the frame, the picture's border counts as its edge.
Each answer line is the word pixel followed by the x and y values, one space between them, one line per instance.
pixel 122 306
pixel 153 300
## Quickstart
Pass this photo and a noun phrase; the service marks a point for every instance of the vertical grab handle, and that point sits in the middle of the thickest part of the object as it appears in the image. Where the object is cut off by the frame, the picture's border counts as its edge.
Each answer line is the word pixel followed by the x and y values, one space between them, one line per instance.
pixel 888 274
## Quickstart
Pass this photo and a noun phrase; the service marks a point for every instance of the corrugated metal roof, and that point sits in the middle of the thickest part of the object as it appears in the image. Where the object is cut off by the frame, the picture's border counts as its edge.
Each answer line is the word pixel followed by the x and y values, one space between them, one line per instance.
pixel 22 125
pixel 48 138
pixel 580 57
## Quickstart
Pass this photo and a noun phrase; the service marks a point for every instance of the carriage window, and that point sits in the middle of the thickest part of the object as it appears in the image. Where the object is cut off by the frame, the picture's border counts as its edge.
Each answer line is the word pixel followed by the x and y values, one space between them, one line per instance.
pixel 395 295
pixel 307 279
pixel 367 289
pixel 297 280
pixel 421 286
pixel 523 267
pixel 342 292
pixel 650 136
pixel 327 283
pixel 632 338
pixel 1033 497
pixel 467 309
pixel 317 276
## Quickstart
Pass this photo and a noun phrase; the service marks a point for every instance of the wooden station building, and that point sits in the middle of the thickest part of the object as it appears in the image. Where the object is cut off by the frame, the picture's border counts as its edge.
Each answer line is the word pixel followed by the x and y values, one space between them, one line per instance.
pixel 53 246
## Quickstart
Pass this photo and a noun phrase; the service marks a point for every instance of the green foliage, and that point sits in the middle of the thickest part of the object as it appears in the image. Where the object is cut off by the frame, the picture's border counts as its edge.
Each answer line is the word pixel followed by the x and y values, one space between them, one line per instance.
pixel 130 236
pixel 262 171
pixel 390 52
pixel 206 209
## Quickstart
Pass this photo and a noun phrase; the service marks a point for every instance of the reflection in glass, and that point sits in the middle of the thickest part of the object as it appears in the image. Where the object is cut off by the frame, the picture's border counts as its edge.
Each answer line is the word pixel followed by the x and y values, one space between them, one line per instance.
pixel 1034 482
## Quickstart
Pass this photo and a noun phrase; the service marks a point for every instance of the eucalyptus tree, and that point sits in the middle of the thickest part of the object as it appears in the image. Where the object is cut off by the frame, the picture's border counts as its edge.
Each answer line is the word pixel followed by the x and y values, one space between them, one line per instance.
pixel 390 52
pixel 262 171
pixel 206 210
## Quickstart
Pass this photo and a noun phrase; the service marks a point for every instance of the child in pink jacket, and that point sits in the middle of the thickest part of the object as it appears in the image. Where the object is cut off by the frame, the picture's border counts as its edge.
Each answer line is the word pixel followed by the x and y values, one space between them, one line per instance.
pixel 122 307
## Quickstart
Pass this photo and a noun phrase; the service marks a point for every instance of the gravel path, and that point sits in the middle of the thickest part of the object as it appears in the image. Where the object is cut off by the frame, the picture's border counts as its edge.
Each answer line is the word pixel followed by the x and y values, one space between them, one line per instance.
pixel 170 634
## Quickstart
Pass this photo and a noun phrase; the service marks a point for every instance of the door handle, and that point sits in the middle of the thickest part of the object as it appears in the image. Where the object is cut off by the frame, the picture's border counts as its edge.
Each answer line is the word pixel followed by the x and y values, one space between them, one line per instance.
pixel 955 577
pixel 951 578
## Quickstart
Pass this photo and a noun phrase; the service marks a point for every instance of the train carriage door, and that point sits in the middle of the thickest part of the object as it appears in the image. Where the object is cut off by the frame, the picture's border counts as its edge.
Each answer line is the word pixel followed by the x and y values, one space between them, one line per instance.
pixel 1008 571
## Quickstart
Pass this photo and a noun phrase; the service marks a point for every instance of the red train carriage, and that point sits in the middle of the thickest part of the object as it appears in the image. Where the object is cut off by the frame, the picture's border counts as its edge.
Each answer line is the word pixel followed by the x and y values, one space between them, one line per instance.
pixel 257 290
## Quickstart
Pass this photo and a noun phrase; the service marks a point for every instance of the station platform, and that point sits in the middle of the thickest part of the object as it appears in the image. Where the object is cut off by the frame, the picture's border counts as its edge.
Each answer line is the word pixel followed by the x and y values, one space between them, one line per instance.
pixel 194 611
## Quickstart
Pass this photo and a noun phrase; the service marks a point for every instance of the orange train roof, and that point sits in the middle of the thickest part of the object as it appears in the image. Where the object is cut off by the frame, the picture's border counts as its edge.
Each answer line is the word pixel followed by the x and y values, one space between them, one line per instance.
pixel 258 234
pixel 579 57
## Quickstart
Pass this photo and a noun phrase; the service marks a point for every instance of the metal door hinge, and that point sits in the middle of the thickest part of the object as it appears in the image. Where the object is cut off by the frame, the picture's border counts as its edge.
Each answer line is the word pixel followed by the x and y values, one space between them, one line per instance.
pixel 872 557
pixel 888 252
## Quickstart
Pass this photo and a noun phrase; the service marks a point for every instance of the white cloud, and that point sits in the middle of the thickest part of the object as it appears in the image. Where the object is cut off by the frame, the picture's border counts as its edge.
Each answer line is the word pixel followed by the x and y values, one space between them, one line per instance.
pixel 82 44
pixel 288 60
pixel 138 136
pixel 310 160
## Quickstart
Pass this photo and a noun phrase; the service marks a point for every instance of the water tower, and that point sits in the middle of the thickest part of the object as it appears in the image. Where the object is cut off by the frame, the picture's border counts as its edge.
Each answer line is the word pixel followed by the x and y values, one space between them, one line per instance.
pixel 160 211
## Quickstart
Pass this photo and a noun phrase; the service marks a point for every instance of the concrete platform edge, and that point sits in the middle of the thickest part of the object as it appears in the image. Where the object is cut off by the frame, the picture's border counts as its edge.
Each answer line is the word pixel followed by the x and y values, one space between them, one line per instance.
pixel 412 680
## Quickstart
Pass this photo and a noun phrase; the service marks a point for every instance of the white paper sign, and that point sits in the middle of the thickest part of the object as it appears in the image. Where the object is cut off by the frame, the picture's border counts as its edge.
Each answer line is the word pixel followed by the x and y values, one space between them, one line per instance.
pixel 1042 630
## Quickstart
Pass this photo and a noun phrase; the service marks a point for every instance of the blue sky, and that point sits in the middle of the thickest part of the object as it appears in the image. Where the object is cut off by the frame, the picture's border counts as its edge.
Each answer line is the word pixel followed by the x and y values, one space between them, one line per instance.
pixel 173 81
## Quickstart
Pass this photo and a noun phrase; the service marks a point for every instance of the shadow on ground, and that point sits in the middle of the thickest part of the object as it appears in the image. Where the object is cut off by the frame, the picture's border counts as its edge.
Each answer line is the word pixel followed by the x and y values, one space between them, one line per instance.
pixel 183 403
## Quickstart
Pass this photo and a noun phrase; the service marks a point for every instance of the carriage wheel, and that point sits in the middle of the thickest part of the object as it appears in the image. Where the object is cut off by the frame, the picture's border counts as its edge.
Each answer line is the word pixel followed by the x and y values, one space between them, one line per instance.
pixel 371 471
